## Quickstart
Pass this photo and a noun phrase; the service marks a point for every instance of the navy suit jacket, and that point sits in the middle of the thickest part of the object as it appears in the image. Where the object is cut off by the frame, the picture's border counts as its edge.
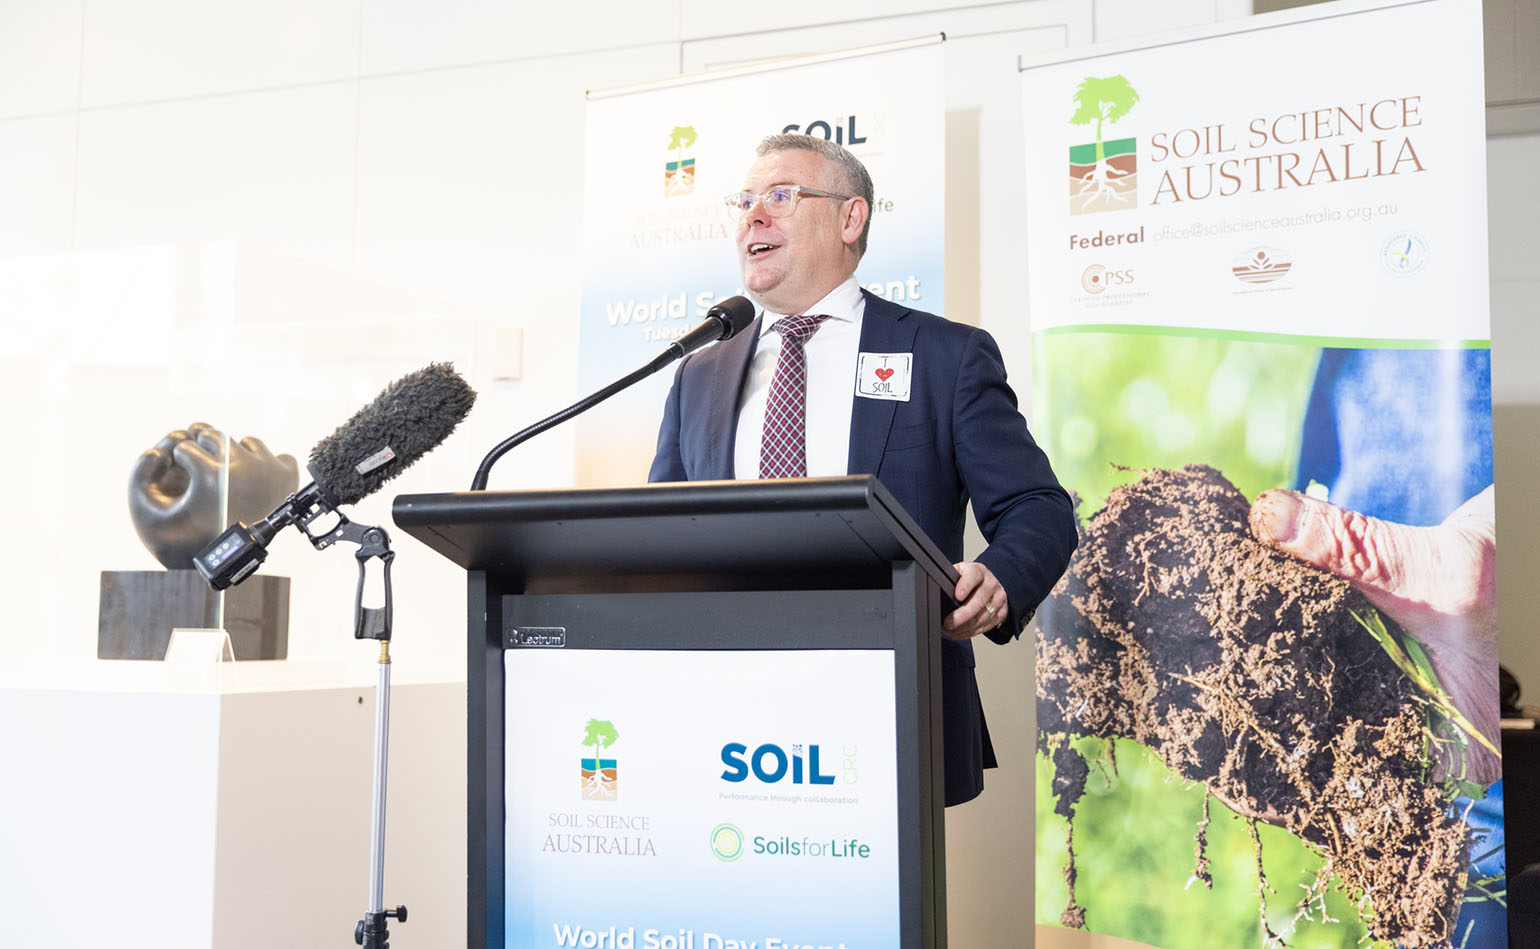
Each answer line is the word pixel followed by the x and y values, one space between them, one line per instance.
pixel 959 437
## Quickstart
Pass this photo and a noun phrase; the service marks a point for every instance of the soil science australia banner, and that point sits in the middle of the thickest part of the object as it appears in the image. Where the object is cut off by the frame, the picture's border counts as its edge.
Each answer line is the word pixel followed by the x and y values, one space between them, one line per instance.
pixel 1267 688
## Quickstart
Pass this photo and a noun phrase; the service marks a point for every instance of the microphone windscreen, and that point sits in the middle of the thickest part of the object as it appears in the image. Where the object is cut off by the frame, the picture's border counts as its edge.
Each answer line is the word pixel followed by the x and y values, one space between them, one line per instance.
pixel 409 419
pixel 737 311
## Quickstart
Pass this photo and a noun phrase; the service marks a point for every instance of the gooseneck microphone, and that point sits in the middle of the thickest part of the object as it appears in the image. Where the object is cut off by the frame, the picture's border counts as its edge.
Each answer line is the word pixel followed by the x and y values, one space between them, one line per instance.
pixel 723 321
pixel 410 418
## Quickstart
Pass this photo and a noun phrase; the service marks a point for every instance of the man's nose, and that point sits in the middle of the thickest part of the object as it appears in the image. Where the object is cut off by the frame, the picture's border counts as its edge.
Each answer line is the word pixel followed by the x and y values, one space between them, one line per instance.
pixel 757 213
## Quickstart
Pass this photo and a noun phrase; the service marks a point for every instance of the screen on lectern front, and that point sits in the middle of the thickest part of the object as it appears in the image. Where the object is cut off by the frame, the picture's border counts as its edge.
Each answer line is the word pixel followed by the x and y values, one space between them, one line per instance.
pixel 712 799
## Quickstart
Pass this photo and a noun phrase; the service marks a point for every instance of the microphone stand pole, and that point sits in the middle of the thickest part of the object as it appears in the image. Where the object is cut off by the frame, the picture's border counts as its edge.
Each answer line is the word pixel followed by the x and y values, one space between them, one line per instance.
pixel 373 544
pixel 372 931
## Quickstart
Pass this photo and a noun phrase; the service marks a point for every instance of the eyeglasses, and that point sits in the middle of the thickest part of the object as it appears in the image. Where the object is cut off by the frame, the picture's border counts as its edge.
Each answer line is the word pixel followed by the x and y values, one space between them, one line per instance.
pixel 778 201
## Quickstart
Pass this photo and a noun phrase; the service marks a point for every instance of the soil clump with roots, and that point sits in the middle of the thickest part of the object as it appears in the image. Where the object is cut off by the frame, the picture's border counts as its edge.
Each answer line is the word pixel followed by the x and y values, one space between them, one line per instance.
pixel 1246 670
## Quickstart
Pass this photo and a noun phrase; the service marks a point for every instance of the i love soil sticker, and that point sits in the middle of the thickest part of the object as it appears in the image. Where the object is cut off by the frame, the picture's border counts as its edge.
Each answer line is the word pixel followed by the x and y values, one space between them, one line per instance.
pixel 884 376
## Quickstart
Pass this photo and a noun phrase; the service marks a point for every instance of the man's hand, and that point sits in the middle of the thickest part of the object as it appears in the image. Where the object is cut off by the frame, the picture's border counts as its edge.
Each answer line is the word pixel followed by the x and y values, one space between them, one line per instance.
pixel 981 602
pixel 1439 583
pixel 174 490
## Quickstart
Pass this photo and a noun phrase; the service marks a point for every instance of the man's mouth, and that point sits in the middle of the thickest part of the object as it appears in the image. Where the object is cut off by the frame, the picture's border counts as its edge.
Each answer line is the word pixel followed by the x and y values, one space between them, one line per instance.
pixel 760 247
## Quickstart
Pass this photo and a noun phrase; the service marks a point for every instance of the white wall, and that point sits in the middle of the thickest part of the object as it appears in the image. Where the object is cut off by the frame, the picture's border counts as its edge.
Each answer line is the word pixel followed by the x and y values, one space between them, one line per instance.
pixel 257 217
pixel 1512 35
pixel 1513 200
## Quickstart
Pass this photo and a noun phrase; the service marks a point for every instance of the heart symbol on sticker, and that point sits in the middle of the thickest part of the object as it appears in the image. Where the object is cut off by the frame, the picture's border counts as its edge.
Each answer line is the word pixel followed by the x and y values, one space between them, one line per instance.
pixel 884 374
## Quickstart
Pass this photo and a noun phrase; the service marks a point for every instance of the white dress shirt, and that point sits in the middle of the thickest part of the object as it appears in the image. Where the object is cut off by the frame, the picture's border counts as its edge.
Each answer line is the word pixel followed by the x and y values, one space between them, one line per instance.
pixel 832 354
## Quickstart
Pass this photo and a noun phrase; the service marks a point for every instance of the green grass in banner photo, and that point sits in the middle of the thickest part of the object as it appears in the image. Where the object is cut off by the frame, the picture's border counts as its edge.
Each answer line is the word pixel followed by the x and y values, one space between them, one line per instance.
pixel 1135 832
pixel 1106 401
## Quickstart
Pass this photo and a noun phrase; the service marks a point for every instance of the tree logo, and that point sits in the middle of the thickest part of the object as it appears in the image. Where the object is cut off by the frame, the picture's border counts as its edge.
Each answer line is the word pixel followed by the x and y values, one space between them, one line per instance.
pixel 1103 175
pixel 601 779
pixel 679 173
pixel 726 842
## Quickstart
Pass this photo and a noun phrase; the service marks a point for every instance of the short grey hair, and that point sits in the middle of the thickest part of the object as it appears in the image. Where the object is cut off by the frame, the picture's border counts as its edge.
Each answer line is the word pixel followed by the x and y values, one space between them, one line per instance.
pixel 857 181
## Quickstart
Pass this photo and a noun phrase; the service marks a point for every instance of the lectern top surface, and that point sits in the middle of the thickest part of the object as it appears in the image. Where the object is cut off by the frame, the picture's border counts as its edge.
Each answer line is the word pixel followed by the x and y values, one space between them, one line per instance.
pixel 796 533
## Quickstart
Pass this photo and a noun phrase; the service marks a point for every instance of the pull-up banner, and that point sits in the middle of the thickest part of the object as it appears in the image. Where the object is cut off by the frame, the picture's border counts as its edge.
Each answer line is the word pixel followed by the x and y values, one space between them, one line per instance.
pixel 1267 687
pixel 659 243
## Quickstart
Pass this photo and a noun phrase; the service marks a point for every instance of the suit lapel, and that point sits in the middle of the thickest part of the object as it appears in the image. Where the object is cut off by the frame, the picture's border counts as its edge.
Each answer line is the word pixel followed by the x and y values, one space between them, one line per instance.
pixel 884 329
pixel 727 379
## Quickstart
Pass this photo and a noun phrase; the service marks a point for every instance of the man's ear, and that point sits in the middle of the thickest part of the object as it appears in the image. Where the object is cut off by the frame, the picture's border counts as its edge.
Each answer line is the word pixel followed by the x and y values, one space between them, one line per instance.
pixel 856 212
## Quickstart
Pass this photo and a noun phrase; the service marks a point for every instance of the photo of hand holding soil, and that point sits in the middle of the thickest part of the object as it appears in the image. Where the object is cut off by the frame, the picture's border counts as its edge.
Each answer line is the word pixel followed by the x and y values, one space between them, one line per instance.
pixel 1236 746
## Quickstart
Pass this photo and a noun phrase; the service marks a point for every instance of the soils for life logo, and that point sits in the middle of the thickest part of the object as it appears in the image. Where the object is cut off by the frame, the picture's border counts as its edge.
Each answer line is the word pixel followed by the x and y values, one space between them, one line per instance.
pixel 601 778
pixel 1404 254
pixel 679 173
pixel 726 842
pixel 1103 175
pixel 1261 265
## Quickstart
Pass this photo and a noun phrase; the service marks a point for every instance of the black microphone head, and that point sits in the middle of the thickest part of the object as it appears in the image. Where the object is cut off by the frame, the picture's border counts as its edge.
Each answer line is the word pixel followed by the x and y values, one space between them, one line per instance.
pixel 406 421
pixel 736 313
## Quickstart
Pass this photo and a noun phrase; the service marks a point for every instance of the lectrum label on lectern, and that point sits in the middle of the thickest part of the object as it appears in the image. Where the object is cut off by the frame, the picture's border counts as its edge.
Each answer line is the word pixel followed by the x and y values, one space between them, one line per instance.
pixel 537 636
pixel 701 799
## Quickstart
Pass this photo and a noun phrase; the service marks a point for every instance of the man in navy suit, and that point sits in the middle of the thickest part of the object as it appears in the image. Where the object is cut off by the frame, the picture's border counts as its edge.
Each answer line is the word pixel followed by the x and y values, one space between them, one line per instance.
pixel 913 398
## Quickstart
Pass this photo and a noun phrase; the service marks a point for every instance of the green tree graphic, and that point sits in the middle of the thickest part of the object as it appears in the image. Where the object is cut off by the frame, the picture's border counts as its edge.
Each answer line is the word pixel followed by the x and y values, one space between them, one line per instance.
pixel 682 137
pixel 1105 99
pixel 600 735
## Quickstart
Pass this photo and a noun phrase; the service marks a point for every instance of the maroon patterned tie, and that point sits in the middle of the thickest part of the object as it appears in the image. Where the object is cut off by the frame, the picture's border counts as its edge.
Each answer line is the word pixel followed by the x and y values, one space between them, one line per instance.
pixel 783 449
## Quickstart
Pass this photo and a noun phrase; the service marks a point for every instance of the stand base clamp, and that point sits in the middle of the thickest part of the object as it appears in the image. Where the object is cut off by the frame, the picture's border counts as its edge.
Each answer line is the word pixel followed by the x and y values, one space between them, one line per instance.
pixel 371 931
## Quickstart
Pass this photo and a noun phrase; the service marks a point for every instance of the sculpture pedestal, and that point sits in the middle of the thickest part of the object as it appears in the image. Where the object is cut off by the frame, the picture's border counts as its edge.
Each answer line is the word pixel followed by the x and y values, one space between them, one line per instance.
pixel 139 609
pixel 186 814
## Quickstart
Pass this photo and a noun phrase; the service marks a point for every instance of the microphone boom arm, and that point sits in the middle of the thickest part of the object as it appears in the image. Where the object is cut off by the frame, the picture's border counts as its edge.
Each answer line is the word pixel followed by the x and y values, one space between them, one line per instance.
pixel 518 438
pixel 722 321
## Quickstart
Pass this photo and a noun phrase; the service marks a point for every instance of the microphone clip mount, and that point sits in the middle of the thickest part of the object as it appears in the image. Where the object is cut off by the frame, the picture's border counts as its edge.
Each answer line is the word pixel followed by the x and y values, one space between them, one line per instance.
pixel 373 544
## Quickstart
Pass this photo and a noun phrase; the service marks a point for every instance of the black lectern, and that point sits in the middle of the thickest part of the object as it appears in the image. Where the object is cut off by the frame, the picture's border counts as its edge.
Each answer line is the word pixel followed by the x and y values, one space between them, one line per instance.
pixel 701 716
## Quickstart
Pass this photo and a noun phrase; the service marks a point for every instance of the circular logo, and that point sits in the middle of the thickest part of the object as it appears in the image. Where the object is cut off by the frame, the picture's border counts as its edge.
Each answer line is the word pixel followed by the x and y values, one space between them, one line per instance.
pixel 727 842
pixel 1093 280
pixel 1404 254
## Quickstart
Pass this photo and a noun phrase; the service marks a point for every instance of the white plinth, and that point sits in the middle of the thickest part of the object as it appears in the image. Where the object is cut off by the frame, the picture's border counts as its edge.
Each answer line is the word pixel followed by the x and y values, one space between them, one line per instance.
pixel 146 806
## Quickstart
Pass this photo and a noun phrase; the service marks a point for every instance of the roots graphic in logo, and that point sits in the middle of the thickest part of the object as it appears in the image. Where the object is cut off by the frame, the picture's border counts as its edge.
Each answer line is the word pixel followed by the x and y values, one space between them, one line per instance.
pixel 601 779
pixel 1261 265
pixel 1103 175
pixel 1404 254
pixel 679 174
pixel 726 842
pixel 1093 280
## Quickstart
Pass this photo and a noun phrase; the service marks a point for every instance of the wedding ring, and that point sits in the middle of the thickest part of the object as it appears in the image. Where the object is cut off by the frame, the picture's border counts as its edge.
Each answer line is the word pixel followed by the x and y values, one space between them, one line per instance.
pixel 989 608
